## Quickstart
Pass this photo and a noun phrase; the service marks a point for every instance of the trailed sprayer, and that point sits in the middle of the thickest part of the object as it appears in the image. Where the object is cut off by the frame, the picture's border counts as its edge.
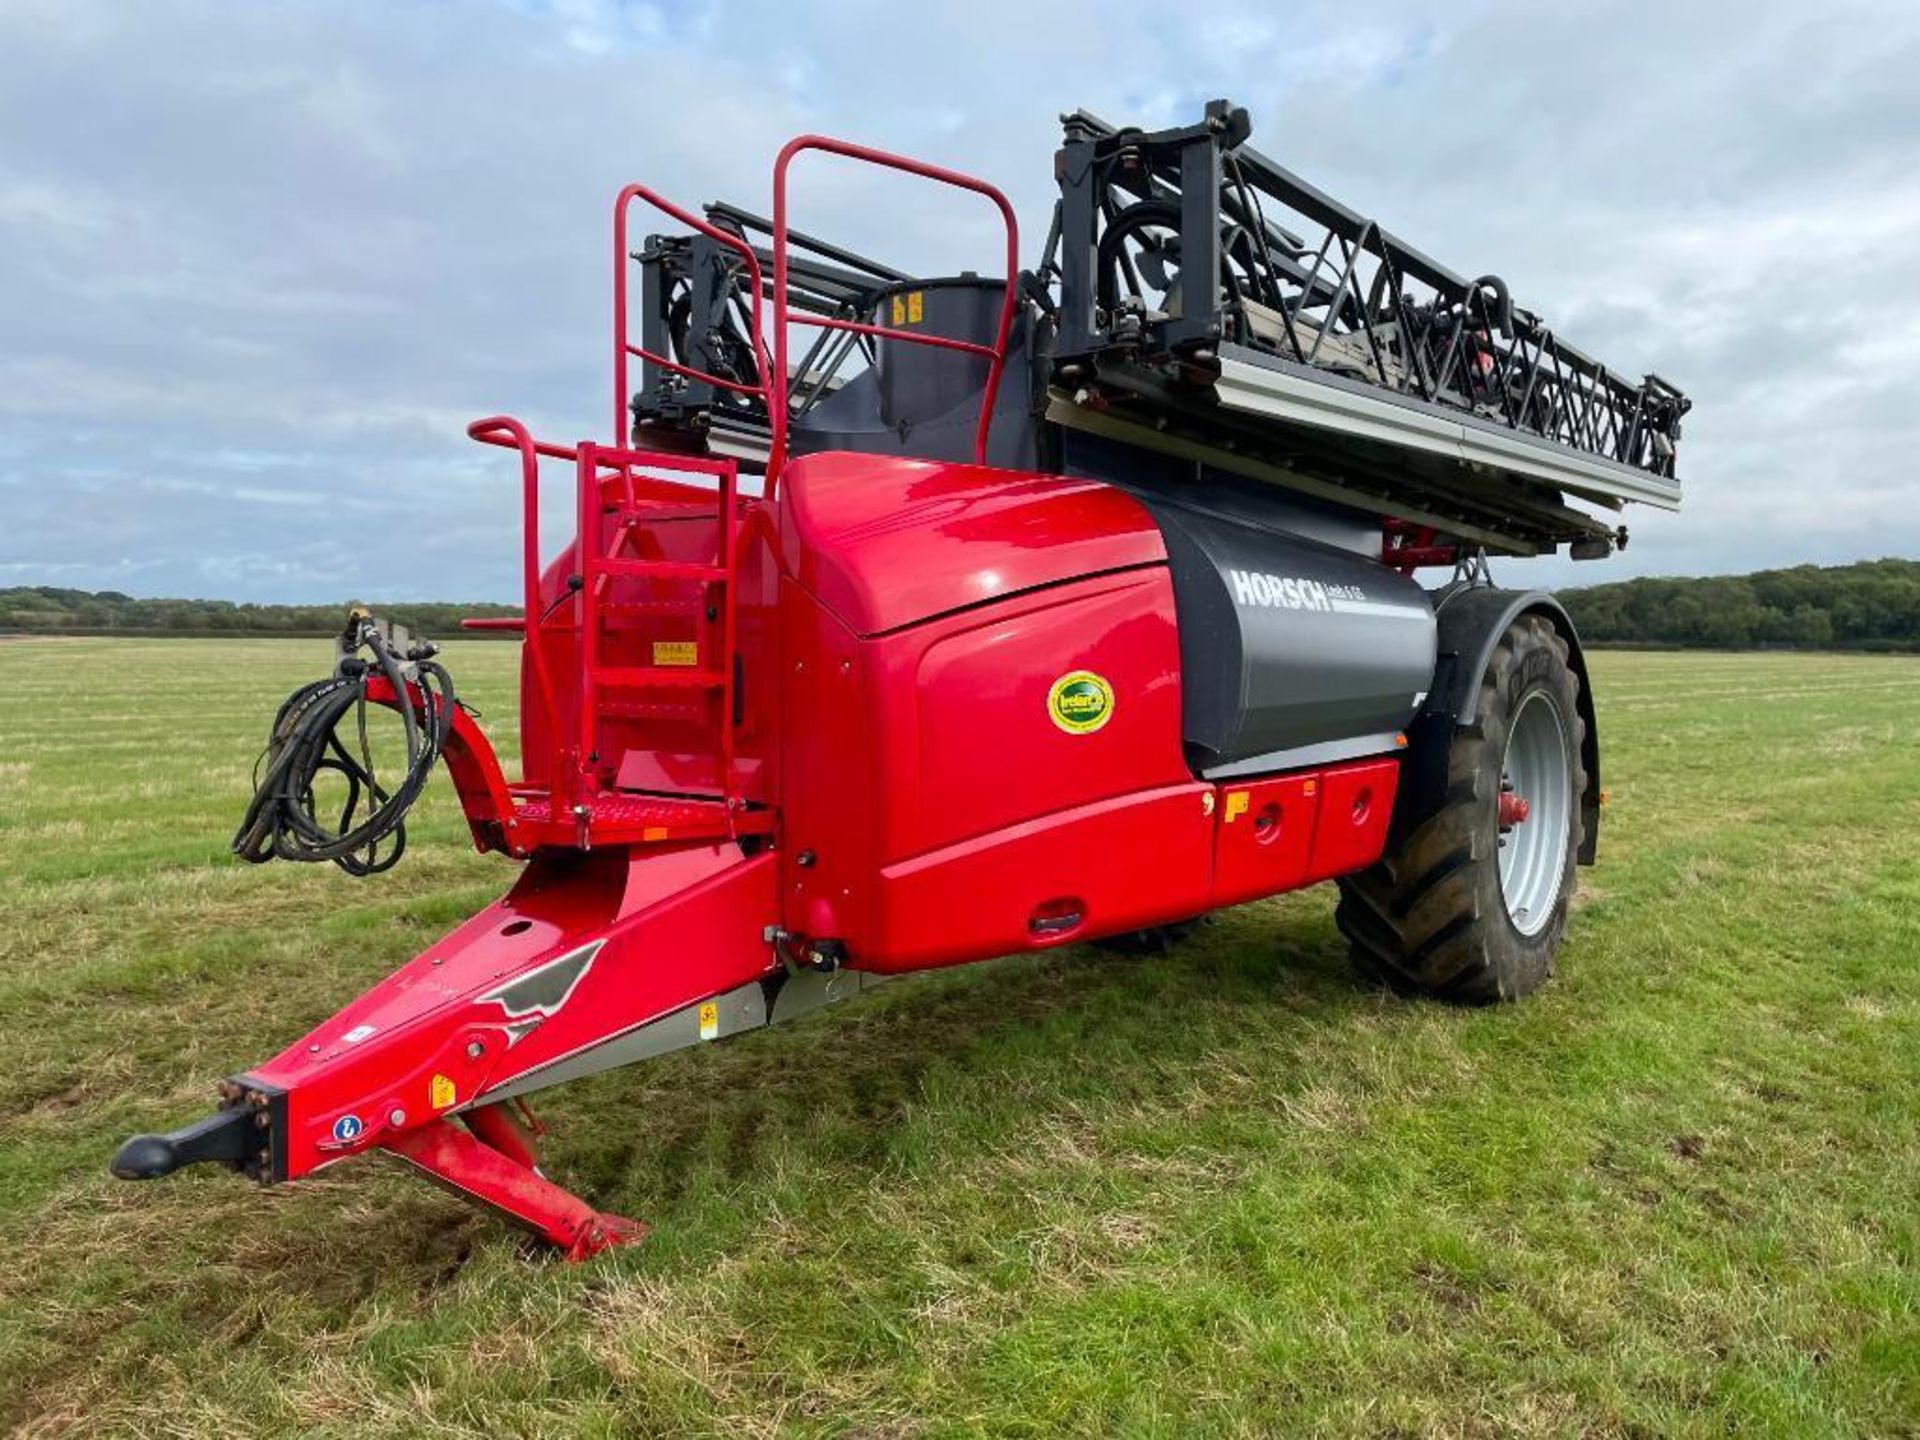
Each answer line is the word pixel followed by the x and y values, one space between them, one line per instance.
pixel 913 620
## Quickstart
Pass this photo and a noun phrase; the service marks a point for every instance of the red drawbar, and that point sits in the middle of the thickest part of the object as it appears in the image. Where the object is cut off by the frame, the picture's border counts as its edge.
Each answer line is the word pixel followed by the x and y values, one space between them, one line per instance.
pixel 584 948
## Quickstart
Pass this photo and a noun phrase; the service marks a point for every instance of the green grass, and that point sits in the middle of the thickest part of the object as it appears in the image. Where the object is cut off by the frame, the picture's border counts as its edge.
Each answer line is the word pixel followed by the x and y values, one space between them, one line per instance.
pixel 1226 1192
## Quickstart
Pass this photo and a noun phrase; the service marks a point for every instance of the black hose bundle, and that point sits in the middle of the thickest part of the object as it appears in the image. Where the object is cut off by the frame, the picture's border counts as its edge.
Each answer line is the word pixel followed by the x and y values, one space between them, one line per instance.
pixel 282 820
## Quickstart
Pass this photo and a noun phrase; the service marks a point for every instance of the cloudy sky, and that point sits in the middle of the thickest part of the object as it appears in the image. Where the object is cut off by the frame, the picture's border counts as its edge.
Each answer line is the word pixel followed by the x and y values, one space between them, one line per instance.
pixel 260 263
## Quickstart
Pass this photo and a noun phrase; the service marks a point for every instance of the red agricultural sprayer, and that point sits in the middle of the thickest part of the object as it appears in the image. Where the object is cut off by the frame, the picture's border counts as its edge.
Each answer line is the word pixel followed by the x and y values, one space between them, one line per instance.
pixel 1059 605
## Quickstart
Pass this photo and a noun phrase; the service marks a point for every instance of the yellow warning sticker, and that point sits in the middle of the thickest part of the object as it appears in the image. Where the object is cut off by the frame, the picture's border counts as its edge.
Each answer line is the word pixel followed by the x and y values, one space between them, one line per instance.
pixel 440 1092
pixel 907 309
pixel 710 1021
pixel 676 652
pixel 1237 801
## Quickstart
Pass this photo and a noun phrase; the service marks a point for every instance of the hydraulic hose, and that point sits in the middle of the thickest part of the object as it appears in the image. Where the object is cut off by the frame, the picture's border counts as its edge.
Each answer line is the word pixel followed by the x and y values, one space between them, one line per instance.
pixel 370 834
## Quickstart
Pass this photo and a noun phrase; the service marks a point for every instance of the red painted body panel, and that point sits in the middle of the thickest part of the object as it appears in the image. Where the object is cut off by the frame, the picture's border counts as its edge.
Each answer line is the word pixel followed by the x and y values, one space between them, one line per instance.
pixel 829 796
pixel 1263 839
pixel 1356 804
pixel 885 542
pixel 910 755
pixel 1120 864
pixel 967 744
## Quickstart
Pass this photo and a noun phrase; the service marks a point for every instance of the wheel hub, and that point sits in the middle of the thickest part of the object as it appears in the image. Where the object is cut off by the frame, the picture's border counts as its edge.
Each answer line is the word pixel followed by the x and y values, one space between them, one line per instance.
pixel 1534 813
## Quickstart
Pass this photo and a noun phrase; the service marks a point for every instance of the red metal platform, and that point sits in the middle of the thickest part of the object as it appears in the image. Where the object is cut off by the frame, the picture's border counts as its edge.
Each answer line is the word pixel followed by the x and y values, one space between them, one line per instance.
pixel 617 818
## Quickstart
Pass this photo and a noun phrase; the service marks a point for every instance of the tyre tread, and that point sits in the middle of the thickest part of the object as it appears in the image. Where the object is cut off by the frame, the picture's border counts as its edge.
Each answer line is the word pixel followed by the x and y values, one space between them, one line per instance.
pixel 1419 919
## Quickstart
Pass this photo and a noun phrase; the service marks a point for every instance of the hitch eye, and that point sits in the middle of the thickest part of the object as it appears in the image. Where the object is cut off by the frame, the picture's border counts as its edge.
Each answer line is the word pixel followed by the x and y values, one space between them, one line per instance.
pixel 224 1137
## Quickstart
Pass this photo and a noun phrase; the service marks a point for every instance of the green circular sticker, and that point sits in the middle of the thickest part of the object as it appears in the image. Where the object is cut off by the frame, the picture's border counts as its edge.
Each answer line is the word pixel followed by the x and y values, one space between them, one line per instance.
pixel 1080 702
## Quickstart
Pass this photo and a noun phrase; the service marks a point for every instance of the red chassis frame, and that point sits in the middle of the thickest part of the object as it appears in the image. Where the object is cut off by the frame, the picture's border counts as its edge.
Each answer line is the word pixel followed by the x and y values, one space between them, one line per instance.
pixel 753 781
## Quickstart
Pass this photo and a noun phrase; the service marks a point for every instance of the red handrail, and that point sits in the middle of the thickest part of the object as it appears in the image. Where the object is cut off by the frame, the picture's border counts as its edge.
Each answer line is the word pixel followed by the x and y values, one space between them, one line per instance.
pixel 622 347
pixel 505 431
pixel 777 380
pixel 593 464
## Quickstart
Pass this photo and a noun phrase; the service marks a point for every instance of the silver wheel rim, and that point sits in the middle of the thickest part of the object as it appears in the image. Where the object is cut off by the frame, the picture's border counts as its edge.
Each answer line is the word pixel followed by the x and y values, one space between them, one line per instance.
pixel 1533 850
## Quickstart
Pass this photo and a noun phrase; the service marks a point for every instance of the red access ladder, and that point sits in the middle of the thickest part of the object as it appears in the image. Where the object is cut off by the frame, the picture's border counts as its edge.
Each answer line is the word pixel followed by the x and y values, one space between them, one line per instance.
pixel 579 806
pixel 599 567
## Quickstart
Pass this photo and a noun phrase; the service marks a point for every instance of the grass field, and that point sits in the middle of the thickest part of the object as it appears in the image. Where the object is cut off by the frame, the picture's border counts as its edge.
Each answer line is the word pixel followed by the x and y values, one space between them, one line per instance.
pixel 1227 1192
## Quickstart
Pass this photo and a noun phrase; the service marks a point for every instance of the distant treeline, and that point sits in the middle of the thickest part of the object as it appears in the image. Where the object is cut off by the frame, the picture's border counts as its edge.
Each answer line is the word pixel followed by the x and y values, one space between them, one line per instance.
pixel 51 609
pixel 1873 605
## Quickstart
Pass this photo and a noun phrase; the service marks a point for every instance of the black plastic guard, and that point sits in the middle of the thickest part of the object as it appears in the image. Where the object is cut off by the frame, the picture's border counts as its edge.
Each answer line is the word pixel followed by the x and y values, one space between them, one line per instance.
pixel 1471 622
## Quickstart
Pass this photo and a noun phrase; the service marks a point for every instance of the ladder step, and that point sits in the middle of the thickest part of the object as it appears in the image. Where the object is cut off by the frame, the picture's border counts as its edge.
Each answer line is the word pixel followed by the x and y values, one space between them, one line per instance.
pixel 661 570
pixel 656 677
pixel 631 609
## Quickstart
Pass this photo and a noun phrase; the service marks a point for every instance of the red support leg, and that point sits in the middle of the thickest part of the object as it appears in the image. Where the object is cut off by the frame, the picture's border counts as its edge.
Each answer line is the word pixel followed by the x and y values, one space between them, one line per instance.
pixel 498 1127
pixel 478 1172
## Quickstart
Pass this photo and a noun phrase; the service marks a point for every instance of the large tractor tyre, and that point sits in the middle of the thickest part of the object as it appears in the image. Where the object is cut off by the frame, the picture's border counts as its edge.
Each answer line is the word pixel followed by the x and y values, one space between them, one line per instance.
pixel 1473 904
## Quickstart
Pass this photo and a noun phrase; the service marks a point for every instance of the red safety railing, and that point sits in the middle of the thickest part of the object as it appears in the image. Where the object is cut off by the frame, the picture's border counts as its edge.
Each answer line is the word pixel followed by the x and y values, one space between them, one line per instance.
pixel 996 353
pixel 624 348
pixel 505 431
pixel 579 778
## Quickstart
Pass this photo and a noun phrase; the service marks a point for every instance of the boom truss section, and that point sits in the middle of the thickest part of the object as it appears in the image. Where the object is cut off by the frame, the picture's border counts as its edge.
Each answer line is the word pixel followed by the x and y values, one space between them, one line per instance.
pixel 1215 305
